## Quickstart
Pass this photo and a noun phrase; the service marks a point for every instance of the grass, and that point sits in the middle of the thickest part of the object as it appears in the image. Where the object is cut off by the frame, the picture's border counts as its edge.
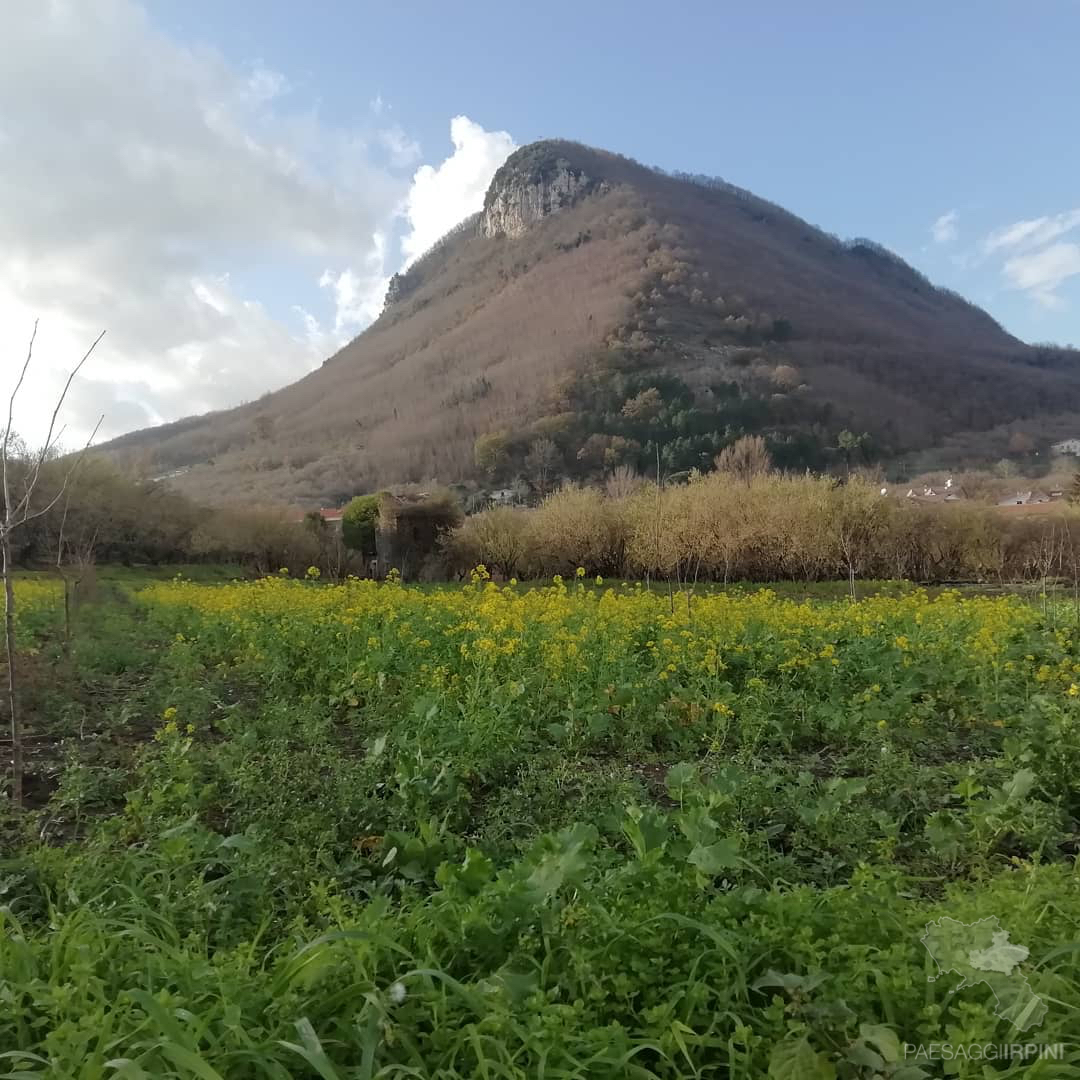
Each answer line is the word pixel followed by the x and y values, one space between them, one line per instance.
pixel 306 831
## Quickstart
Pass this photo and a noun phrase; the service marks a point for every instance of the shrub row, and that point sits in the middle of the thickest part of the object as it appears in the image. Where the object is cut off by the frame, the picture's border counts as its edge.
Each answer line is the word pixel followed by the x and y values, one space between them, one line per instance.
pixel 769 527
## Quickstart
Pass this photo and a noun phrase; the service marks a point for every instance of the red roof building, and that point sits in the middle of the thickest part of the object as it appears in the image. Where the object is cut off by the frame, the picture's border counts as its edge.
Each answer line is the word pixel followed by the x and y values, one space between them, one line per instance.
pixel 331 515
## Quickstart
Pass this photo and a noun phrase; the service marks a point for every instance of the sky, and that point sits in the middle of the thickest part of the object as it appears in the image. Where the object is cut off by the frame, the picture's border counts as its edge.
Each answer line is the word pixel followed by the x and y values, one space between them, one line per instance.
pixel 226 188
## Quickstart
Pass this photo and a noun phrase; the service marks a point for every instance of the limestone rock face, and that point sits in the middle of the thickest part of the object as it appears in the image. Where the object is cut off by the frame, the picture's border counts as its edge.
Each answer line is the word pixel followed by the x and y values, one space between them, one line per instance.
pixel 525 190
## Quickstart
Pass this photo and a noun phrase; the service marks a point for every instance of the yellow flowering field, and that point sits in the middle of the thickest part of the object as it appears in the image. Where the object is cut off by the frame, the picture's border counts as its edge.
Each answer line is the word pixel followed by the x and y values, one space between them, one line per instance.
pixel 566 830
pixel 38 604
pixel 716 667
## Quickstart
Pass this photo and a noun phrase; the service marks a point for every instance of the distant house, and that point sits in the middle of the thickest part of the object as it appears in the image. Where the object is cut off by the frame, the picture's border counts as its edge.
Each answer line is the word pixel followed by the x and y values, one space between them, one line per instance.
pixel 1025 498
pixel 410 528
pixel 929 494
pixel 1067 446
pixel 332 515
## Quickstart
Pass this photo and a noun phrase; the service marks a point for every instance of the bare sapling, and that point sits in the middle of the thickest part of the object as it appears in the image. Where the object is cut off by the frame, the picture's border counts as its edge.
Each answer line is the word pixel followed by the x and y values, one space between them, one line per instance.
pixel 18 510
pixel 74 564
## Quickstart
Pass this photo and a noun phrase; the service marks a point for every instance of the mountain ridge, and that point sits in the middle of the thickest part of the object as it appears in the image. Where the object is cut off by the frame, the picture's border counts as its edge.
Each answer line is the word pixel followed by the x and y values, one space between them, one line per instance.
pixel 588 280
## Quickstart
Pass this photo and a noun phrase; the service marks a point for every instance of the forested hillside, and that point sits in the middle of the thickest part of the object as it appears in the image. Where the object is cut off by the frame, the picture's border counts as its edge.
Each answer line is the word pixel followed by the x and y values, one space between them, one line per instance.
pixel 597 312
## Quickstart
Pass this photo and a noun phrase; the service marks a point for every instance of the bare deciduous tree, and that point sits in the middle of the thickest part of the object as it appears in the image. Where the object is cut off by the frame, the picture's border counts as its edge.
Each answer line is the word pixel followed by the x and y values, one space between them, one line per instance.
pixel 75 556
pixel 623 482
pixel 18 510
pixel 745 458
pixel 541 462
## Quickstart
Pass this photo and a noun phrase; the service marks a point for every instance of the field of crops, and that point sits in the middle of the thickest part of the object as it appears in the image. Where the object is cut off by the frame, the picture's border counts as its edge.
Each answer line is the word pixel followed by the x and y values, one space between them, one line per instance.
pixel 39 609
pixel 584 831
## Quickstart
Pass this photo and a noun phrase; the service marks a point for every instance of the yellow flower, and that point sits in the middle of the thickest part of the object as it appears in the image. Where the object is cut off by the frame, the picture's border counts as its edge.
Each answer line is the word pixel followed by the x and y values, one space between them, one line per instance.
pixel 1074 690
pixel 580 571
pixel 169 713
pixel 168 728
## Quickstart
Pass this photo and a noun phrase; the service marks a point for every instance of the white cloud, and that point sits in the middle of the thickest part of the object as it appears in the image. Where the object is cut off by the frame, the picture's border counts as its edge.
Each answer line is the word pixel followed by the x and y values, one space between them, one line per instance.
pixel 264 85
pixel 182 202
pixel 444 195
pixel 1036 260
pixel 359 294
pixel 1040 273
pixel 134 181
pixel 402 149
pixel 438 199
pixel 944 230
pixel 1033 233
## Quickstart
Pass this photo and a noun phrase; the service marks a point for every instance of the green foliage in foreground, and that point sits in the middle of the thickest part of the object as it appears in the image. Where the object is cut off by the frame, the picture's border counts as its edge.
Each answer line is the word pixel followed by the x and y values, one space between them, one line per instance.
pixel 284 857
pixel 575 960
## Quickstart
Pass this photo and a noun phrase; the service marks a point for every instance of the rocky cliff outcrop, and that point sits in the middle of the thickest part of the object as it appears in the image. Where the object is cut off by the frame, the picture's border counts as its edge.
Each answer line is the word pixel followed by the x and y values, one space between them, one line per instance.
pixel 534 182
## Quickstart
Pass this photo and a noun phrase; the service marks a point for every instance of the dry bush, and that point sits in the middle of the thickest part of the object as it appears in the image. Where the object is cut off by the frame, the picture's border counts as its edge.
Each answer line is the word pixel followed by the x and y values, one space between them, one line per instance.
pixel 745 459
pixel 1042 545
pixel 496 538
pixel 121 519
pixel 810 528
pixel 575 527
pixel 623 481
pixel 858 515
pixel 800 508
pixel 262 538
pixel 777 527
pixel 786 377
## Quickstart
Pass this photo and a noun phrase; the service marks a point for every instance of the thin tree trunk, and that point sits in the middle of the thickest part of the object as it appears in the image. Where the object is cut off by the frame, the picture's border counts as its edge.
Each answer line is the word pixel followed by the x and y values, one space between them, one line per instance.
pixel 658 512
pixel 69 588
pixel 9 651
pixel 16 515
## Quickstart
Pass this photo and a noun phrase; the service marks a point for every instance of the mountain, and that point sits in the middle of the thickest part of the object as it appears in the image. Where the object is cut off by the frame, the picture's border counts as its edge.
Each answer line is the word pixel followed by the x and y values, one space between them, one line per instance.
pixel 597 309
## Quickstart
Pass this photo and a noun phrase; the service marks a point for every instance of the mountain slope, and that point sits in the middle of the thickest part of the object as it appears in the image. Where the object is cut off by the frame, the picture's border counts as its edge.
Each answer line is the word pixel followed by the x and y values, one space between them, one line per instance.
pixel 604 308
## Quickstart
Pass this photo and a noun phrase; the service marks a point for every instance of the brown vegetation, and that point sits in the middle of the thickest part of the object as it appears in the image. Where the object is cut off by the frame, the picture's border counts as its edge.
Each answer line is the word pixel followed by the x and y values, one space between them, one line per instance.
pixel 744 459
pixel 772 326
pixel 110 517
pixel 774 527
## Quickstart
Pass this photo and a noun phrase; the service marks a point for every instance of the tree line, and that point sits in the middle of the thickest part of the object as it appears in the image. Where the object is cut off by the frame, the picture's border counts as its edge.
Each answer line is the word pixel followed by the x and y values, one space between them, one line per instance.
pixel 741 521
pixel 109 516
pixel 763 526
